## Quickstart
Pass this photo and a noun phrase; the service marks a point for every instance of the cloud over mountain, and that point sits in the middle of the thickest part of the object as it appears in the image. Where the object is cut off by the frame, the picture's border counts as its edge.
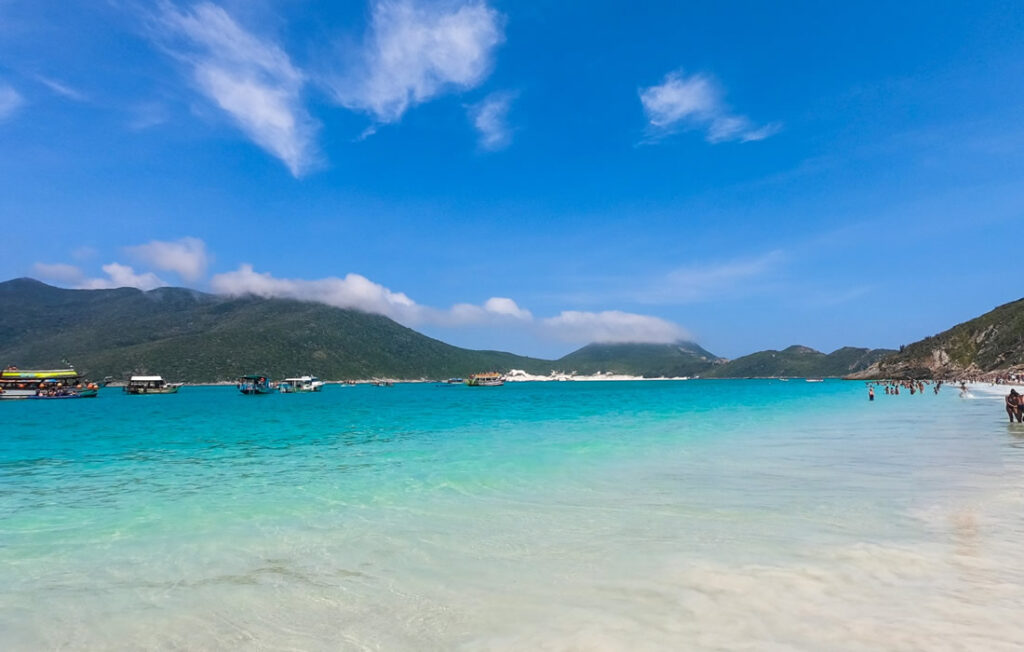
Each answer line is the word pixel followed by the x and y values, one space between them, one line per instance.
pixel 186 257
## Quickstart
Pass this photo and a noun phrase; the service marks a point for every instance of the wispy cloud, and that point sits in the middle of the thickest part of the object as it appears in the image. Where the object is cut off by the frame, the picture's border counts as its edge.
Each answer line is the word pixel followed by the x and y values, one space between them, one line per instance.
pixel 61 89
pixel 490 118
pixel 709 281
pixel 145 115
pixel 251 79
pixel 695 102
pixel 360 293
pixel 416 51
pixel 186 257
pixel 10 101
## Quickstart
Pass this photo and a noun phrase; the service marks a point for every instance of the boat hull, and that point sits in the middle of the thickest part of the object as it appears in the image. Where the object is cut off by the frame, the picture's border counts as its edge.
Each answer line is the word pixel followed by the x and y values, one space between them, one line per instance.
pixel 85 393
pixel 138 391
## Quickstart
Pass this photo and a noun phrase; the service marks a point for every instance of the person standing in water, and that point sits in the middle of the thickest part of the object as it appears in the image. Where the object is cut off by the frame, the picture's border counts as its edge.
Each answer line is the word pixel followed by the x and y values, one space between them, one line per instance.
pixel 1013 406
pixel 871 393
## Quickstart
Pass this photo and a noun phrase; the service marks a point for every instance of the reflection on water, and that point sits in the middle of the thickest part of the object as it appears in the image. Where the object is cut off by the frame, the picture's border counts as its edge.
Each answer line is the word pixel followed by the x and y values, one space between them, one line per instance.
pixel 558 516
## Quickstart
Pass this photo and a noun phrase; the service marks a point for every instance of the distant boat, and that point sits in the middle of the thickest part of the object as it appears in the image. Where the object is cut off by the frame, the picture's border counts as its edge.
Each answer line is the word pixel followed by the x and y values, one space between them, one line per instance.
pixel 815 380
pixel 300 384
pixel 252 385
pixel 150 385
pixel 44 383
pixel 488 379
pixel 454 381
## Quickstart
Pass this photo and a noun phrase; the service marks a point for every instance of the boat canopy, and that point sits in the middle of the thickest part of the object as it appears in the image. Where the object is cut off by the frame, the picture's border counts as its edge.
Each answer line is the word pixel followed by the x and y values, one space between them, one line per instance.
pixel 146 379
pixel 37 374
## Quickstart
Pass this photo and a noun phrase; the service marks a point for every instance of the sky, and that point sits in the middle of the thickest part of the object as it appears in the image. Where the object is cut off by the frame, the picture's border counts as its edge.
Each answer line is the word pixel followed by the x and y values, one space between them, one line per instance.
pixel 528 176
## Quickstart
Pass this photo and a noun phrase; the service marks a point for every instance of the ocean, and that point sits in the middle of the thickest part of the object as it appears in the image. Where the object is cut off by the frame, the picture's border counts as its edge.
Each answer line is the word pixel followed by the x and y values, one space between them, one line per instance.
pixel 697 515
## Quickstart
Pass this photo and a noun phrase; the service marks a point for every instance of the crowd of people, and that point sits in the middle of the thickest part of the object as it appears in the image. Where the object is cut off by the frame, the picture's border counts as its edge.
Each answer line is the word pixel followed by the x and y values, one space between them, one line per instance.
pixel 1014 400
pixel 893 387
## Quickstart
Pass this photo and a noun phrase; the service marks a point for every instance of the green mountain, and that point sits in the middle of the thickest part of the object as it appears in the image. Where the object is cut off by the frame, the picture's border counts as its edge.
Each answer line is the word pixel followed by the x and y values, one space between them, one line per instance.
pixel 799 361
pixel 649 360
pixel 185 335
pixel 991 343
pixel 190 336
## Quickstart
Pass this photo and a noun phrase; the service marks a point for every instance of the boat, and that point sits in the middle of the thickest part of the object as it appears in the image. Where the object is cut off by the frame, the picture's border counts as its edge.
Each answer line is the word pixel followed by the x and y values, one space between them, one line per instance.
pixel 150 385
pixel 253 384
pixel 44 383
pixel 300 384
pixel 487 379
pixel 454 381
pixel 815 380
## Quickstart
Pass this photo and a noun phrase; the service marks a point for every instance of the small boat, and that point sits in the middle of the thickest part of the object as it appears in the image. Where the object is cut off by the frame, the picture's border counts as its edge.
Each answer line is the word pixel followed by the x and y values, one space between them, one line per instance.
pixel 454 381
pixel 487 379
pixel 44 383
pixel 815 380
pixel 300 384
pixel 252 385
pixel 150 385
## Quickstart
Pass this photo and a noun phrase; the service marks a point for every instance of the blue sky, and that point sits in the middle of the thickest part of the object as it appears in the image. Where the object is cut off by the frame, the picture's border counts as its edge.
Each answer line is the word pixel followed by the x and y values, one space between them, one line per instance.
pixel 528 176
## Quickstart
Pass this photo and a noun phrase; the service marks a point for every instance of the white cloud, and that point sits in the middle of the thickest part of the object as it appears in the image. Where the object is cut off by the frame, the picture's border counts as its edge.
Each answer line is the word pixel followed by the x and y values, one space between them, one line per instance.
pixel 352 291
pixel 611 326
pixel 416 51
pixel 252 80
pixel 186 257
pixel 10 102
pixel 59 272
pixel 490 118
pixel 494 311
pixel 359 293
pixel 121 276
pixel 695 102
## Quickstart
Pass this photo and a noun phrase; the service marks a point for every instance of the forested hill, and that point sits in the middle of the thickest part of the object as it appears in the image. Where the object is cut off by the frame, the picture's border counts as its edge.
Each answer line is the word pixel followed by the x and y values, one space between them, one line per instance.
pixel 185 335
pixel 991 343
pixel 190 336
pixel 800 361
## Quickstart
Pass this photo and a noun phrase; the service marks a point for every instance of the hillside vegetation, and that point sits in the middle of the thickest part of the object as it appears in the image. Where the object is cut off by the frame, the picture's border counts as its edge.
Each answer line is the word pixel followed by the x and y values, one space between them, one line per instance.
pixel 989 344
pixel 190 336
pixel 194 337
pixel 649 360
pixel 799 362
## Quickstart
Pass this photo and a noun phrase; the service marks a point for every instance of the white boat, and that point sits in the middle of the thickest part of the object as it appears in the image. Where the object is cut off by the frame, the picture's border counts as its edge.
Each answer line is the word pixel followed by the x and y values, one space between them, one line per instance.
pixel 815 380
pixel 300 384
pixel 150 385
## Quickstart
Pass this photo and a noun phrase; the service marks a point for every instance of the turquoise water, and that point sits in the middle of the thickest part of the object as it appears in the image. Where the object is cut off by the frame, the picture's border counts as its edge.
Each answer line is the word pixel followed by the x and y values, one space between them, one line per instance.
pixel 600 515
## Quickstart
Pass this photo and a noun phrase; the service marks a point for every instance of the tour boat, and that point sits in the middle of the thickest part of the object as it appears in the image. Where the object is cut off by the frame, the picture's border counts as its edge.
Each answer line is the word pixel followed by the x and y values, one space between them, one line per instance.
pixel 488 379
pixel 150 385
pixel 252 385
pixel 44 383
pixel 300 384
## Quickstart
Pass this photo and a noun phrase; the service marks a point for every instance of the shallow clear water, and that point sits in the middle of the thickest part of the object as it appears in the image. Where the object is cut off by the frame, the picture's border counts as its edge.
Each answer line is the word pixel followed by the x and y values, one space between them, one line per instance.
pixel 615 515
